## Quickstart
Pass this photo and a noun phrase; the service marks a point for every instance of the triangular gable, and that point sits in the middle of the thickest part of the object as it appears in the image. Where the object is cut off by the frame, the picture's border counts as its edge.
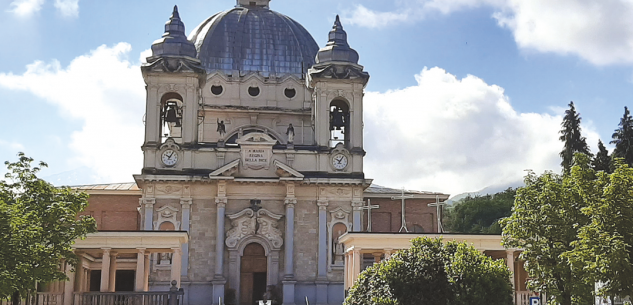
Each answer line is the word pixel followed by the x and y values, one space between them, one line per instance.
pixel 226 170
pixel 287 171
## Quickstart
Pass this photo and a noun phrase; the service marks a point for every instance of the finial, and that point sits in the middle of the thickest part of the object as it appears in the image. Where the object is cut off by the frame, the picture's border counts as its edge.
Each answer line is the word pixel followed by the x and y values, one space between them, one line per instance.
pixel 175 13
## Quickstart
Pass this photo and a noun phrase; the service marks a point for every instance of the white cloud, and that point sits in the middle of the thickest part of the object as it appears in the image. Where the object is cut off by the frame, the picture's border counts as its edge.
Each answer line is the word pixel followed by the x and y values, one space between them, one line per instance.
pixel 68 8
pixel 455 135
pixel 104 90
pixel 25 8
pixel 601 32
pixel 13 146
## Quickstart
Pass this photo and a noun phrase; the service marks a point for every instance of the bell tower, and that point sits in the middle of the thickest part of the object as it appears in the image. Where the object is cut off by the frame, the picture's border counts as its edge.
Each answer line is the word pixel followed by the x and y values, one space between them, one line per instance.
pixel 338 84
pixel 173 77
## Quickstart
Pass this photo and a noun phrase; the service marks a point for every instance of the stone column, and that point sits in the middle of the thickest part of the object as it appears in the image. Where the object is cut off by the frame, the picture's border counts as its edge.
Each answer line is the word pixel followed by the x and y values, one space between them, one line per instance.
pixel 377 256
pixel 69 286
pixel 321 282
pixel 388 253
pixel 357 206
pixel 148 205
pixel 113 262
pixel 219 280
pixel 80 274
pixel 357 262
pixel 140 270
pixel 176 265
pixel 105 270
pixel 510 263
pixel 289 282
pixel 186 209
pixel 146 272
pixel 346 271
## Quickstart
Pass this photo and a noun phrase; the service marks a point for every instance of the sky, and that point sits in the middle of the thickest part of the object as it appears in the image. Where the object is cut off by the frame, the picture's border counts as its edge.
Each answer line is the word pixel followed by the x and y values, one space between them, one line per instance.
pixel 463 94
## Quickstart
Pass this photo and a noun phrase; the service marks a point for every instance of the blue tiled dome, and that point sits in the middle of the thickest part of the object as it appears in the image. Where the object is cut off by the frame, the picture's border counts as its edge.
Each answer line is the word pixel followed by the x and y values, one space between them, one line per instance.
pixel 254 39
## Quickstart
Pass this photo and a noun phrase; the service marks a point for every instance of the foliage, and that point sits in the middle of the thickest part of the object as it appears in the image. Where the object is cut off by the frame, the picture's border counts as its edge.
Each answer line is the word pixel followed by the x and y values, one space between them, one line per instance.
pixel 605 245
pixel 623 138
pixel 545 223
pixel 431 272
pixel 480 214
pixel 38 225
pixel 571 136
pixel 602 160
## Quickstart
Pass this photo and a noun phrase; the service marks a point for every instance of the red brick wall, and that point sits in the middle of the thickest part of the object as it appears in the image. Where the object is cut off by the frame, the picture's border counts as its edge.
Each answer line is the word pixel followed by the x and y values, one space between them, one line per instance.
pixel 387 218
pixel 114 212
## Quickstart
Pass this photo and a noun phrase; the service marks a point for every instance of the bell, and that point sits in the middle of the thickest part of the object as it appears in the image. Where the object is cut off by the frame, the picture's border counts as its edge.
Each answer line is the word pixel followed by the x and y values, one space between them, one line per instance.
pixel 171 117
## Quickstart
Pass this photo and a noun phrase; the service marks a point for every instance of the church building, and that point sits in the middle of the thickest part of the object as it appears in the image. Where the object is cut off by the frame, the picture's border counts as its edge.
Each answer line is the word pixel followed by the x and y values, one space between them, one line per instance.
pixel 252 170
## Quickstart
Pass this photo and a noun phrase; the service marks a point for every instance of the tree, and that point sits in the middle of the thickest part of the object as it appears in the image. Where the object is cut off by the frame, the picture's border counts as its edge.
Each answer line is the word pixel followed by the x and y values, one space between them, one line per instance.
pixel 571 136
pixel 602 161
pixel 431 272
pixel 605 245
pixel 545 223
pixel 38 225
pixel 480 214
pixel 623 139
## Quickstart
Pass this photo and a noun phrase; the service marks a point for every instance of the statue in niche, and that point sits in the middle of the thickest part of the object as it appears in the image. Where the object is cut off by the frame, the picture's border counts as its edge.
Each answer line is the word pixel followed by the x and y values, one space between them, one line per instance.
pixel 165 259
pixel 338 250
pixel 221 128
pixel 291 133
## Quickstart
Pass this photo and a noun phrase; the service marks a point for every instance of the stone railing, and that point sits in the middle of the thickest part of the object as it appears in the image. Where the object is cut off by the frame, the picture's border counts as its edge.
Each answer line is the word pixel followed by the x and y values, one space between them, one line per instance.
pixel 41 298
pixel 172 297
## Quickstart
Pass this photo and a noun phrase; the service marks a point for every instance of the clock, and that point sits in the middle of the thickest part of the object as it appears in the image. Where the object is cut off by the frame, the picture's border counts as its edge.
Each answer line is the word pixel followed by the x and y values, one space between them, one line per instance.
pixel 169 157
pixel 339 161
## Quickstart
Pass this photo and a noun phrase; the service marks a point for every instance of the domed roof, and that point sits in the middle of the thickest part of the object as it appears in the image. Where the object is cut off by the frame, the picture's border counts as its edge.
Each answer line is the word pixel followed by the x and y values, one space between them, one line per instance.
pixel 254 39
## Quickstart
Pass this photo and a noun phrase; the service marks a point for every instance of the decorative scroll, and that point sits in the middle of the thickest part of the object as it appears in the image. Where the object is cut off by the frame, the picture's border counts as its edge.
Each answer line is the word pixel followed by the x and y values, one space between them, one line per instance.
pixel 247 223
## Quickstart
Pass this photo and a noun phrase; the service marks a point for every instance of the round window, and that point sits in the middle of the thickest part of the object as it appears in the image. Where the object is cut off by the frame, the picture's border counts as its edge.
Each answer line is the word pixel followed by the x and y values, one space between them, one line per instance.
pixel 290 92
pixel 253 91
pixel 217 90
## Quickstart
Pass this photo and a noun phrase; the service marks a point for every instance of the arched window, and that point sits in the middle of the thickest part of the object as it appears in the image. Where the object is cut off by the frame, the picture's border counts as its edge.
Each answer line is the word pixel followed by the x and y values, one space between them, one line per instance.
pixel 339 122
pixel 171 117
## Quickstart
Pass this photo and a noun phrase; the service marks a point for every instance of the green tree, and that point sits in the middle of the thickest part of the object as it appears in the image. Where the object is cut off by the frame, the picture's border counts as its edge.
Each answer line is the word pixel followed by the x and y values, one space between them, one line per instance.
pixel 605 245
pixel 480 214
pixel 38 225
pixel 431 272
pixel 545 223
pixel 572 138
pixel 623 138
pixel 602 160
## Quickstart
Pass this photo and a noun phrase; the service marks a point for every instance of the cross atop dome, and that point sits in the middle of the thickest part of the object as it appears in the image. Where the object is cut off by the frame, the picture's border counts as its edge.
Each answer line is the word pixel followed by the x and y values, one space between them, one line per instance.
pixel 254 3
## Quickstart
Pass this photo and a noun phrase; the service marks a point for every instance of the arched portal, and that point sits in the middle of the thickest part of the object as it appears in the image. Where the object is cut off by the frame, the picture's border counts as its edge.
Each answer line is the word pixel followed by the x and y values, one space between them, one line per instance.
pixel 253 274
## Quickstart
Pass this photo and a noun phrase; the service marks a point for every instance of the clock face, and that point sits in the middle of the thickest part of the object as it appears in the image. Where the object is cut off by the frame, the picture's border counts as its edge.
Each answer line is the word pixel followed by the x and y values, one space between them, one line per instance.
pixel 169 157
pixel 339 161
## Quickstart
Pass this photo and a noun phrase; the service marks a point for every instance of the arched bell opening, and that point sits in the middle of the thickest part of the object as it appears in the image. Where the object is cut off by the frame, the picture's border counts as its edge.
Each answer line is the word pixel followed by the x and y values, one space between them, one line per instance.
pixel 339 123
pixel 171 117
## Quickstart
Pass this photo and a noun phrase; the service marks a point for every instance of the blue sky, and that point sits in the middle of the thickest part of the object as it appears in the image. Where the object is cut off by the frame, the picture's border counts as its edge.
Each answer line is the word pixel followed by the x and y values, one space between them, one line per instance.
pixel 463 94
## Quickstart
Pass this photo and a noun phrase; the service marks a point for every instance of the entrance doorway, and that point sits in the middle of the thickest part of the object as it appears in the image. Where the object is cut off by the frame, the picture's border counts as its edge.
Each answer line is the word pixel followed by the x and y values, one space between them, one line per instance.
pixel 253 274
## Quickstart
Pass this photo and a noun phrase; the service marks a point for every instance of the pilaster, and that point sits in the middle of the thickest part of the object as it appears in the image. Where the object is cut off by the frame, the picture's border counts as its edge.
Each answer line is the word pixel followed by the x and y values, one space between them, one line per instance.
pixel 148 207
pixel 185 204
pixel 357 206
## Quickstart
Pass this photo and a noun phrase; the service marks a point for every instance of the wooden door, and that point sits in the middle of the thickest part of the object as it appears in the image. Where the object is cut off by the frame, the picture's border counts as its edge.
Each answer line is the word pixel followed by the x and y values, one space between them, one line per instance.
pixel 252 274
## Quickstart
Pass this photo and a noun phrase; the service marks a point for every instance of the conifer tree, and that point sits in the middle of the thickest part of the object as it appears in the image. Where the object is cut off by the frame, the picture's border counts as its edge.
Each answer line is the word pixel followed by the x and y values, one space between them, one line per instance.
pixel 602 161
pixel 623 138
pixel 573 141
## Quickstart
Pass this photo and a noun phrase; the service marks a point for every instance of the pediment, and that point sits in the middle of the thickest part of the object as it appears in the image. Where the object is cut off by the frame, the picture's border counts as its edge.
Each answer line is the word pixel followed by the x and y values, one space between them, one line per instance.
pixel 285 171
pixel 226 170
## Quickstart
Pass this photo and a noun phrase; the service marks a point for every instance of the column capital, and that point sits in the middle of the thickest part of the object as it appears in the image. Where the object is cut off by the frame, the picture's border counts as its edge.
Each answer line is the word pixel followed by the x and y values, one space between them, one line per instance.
pixel 106 251
pixel 221 201
pixel 186 203
pixel 290 202
pixel 322 204
pixel 147 202
pixel 141 250
pixel 357 205
pixel 177 250
pixel 113 253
